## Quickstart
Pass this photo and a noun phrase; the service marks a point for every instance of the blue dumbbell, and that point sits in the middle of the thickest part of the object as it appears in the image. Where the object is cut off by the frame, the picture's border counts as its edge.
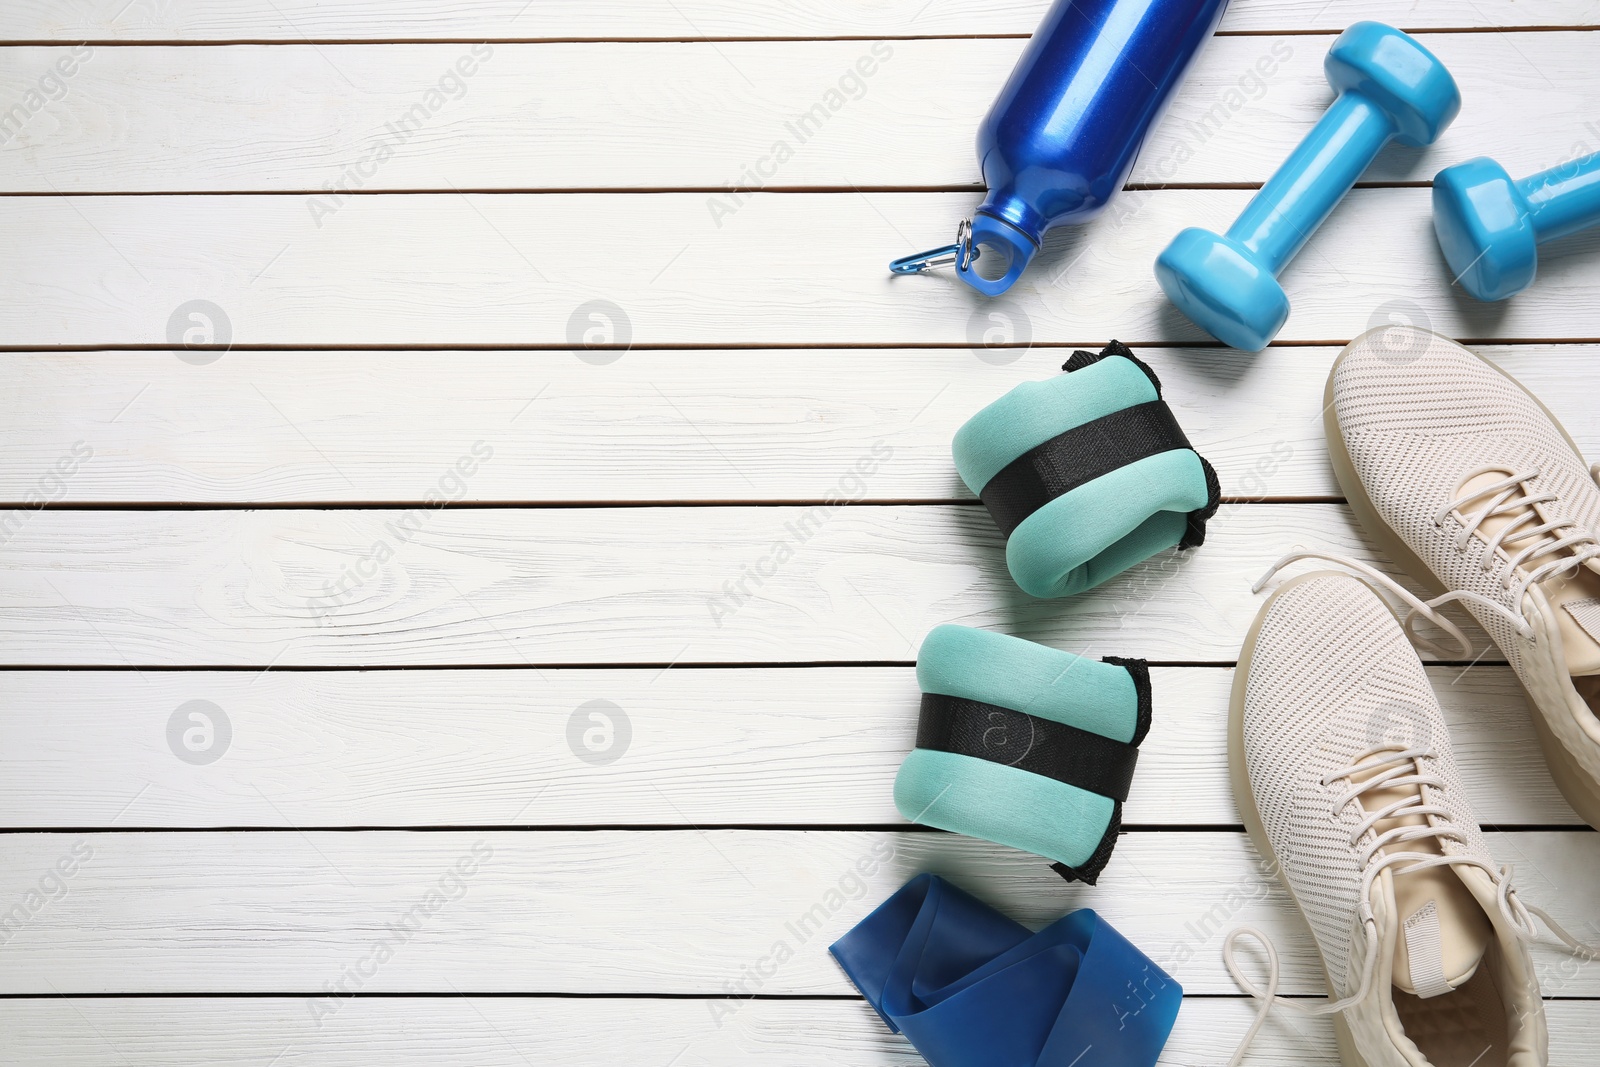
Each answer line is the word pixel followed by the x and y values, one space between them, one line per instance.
pixel 1390 88
pixel 1490 227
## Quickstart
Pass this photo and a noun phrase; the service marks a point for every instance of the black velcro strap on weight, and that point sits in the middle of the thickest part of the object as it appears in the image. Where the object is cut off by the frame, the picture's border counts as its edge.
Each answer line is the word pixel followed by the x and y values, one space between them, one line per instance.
pixel 1080 455
pixel 1026 742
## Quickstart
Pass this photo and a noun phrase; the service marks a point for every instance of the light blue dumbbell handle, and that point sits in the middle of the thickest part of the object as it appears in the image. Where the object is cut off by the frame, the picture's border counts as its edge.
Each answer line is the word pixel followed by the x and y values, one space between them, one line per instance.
pixel 1317 174
pixel 1563 199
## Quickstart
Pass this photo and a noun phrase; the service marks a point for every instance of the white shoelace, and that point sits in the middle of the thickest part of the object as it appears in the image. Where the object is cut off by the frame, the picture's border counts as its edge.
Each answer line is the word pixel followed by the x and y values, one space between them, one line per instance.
pixel 1387 587
pixel 1392 766
pixel 1561 555
pixel 1508 497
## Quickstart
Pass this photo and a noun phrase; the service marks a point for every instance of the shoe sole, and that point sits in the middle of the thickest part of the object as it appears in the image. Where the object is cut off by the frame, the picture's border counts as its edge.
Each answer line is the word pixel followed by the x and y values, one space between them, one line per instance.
pixel 1244 796
pixel 1576 785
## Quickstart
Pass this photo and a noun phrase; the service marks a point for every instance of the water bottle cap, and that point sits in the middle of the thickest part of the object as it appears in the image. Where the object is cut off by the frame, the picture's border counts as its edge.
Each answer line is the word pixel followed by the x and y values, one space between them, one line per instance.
pixel 995 239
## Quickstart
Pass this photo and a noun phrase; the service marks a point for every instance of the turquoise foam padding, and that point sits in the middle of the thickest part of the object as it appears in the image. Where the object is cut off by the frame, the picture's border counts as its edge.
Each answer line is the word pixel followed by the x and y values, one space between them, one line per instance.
pixel 1003 804
pixel 960 661
pixel 1103 527
pixel 1098 530
pixel 1033 412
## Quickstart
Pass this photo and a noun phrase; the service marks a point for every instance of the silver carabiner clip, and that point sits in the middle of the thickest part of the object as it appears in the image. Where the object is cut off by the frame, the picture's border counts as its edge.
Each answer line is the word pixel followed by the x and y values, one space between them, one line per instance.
pixel 963 254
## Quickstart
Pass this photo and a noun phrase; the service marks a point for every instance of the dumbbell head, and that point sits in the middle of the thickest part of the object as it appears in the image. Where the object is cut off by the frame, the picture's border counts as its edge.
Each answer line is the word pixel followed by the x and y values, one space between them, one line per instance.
pixel 1224 288
pixel 1398 76
pixel 1483 227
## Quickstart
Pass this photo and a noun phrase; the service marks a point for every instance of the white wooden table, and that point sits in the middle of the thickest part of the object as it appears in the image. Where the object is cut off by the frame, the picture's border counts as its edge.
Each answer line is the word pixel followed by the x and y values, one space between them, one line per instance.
pixel 398 225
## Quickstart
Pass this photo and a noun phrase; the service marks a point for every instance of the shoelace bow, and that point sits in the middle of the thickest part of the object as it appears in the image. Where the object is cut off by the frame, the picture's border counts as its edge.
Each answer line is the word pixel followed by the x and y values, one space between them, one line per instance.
pixel 1394 766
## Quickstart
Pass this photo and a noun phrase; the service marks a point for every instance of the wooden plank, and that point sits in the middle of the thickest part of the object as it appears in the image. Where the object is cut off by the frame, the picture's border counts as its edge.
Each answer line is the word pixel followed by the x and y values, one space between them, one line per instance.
pixel 602 911
pixel 804 268
pixel 513 1032
pixel 464 748
pixel 386 427
pixel 576 586
pixel 294 20
pixel 653 115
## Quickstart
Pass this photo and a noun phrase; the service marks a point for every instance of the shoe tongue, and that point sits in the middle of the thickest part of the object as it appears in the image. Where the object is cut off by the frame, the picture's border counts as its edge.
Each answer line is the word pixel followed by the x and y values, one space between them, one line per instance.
pixel 1580 629
pixel 1444 931
pixel 1575 598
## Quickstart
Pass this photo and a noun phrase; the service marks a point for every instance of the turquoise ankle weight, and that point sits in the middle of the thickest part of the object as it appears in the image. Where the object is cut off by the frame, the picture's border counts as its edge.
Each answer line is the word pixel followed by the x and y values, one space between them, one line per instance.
pixel 1024 745
pixel 1086 474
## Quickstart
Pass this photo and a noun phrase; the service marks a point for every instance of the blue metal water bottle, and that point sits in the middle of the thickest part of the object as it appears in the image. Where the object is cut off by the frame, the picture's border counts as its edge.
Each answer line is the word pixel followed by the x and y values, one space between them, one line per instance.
pixel 1063 133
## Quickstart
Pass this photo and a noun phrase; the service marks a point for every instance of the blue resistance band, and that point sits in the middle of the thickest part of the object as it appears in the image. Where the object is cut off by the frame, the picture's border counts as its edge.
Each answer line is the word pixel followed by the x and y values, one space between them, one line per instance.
pixel 971 988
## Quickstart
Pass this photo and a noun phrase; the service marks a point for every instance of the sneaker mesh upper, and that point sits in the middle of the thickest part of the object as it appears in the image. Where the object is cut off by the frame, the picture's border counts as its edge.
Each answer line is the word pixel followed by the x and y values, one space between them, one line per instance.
pixel 1331 676
pixel 1418 414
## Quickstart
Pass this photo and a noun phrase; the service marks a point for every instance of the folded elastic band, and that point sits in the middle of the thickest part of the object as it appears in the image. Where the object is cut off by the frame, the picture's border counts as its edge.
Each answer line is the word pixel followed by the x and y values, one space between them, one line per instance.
pixel 969 987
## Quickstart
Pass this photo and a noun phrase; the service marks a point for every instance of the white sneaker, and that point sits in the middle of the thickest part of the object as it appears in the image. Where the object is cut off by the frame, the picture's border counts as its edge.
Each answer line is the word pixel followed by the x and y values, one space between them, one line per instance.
pixel 1343 775
pixel 1467 482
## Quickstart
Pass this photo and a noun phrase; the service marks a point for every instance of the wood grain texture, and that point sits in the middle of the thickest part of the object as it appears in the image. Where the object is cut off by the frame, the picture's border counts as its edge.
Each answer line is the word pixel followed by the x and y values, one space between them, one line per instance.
pixel 505 1032
pixel 620 912
pixel 607 747
pixel 293 20
pixel 388 427
pixel 671 924
pixel 802 268
pixel 565 116
pixel 582 586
